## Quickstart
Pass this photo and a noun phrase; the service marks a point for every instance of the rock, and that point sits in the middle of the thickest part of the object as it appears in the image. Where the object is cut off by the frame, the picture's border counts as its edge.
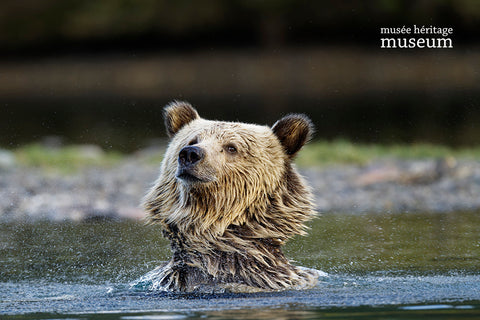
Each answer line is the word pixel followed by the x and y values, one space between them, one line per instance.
pixel 378 175
pixel 7 159
pixel 90 151
pixel 396 186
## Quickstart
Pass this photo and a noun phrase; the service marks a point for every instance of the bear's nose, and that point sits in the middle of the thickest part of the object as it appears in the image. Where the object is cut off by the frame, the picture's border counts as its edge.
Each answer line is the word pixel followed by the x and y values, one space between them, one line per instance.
pixel 190 155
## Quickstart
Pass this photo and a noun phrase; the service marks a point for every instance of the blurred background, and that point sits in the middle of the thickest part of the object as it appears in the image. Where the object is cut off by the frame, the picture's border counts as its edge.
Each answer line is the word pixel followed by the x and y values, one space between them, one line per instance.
pixel 99 72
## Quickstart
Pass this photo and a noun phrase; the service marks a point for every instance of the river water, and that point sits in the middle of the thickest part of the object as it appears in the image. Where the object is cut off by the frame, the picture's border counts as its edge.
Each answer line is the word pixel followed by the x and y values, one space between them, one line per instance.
pixel 402 266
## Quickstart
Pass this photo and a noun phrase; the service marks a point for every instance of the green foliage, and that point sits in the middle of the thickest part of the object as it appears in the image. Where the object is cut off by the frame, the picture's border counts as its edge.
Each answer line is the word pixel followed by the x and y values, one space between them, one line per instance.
pixel 318 153
pixel 65 159
pixel 321 153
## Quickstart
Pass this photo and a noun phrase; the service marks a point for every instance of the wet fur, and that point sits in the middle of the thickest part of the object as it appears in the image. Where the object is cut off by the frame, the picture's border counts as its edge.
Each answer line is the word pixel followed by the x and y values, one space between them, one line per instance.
pixel 230 230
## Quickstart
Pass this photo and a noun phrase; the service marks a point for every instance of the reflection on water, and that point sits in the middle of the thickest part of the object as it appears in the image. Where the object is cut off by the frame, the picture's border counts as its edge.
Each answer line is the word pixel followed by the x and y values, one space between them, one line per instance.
pixel 404 266
pixel 427 243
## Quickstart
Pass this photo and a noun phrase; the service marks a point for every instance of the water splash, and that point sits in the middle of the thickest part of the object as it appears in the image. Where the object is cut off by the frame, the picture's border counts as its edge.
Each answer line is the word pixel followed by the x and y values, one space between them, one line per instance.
pixel 155 281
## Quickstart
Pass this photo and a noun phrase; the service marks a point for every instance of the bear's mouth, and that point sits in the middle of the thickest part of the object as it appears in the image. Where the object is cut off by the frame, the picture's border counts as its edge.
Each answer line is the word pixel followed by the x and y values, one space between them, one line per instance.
pixel 188 176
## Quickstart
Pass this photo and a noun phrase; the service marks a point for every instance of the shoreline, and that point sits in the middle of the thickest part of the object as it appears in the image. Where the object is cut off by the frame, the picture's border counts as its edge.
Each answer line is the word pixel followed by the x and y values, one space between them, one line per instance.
pixel 385 185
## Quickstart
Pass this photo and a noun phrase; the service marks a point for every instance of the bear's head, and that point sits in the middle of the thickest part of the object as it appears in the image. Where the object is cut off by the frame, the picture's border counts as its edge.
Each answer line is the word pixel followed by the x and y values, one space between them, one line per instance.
pixel 218 176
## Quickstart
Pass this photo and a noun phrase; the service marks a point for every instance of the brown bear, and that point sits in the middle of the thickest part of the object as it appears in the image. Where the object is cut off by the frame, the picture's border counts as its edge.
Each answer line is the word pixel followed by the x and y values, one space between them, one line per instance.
pixel 228 198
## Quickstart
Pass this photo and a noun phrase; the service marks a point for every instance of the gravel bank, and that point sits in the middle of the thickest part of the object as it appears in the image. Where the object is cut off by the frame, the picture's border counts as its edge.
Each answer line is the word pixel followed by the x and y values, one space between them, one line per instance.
pixel 387 185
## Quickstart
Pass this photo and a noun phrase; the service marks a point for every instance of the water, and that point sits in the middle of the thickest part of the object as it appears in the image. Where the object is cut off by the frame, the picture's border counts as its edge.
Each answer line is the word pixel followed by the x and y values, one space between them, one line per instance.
pixel 405 266
pixel 337 295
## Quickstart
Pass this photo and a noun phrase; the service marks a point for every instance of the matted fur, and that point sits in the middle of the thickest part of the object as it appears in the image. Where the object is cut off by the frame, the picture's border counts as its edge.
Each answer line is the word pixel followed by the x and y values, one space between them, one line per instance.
pixel 228 228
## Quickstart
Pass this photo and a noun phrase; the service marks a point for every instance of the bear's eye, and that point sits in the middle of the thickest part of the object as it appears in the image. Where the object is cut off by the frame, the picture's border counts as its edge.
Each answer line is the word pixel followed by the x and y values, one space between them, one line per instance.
pixel 193 141
pixel 231 148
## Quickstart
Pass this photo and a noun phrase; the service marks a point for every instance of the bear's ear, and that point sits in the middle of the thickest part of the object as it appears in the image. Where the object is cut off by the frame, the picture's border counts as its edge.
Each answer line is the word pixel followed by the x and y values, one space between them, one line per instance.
pixel 293 131
pixel 177 114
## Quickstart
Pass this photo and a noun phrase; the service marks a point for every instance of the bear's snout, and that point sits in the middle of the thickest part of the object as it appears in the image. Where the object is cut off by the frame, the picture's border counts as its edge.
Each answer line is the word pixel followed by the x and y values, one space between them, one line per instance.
pixel 188 158
pixel 190 155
